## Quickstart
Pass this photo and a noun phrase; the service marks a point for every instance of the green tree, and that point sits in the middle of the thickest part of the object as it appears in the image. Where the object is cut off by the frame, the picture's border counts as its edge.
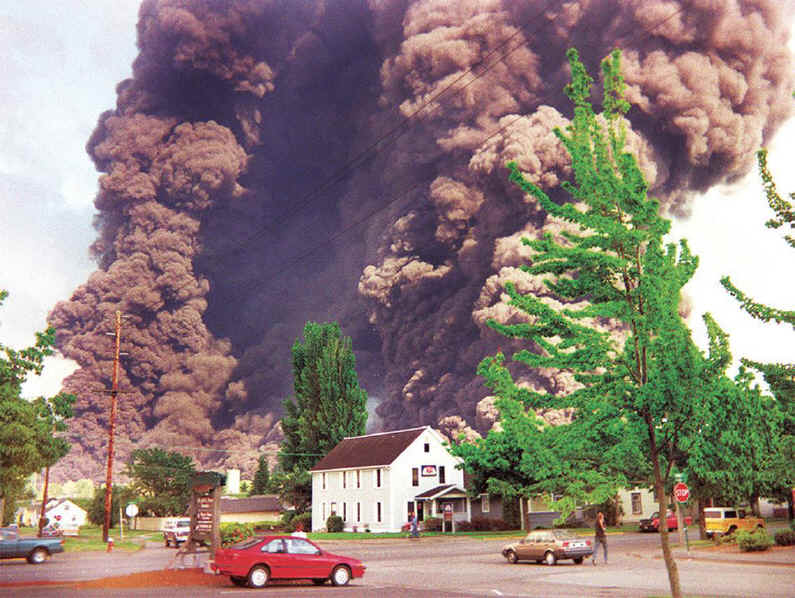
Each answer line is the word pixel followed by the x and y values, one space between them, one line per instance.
pixel 780 377
pixel 261 484
pixel 328 404
pixel 27 440
pixel 120 498
pixel 619 330
pixel 162 479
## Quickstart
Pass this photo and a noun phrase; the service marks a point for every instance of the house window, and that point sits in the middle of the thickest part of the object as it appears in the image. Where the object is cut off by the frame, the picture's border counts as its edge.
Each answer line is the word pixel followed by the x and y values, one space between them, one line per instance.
pixel 377 478
pixel 637 505
pixel 324 511
pixel 378 512
pixel 485 503
pixel 358 479
pixel 358 511
pixel 333 508
pixel 415 476
pixel 344 479
pixel 324 480
pixel 427 448
pixel 345 511
pixel 441 474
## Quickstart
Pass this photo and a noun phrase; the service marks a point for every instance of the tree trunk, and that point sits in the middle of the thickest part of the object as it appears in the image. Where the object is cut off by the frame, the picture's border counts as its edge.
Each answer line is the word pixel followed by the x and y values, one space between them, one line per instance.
pixel 2 508
pixel 702 529
pixel 659 486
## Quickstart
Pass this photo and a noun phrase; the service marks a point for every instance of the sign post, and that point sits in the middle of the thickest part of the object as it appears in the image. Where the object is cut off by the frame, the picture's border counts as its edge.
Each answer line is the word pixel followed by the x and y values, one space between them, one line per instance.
pixel 682 494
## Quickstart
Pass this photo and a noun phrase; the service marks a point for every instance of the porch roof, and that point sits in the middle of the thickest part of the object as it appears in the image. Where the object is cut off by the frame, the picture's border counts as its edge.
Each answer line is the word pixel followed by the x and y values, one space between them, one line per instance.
pixel 449 490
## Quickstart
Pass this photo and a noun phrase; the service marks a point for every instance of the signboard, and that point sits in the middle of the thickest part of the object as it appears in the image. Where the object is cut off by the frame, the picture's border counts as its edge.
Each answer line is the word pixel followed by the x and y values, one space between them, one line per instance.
pixel 448 512
pixel 428 470
pixel 204 516
pixel 681 492
pixel 131 510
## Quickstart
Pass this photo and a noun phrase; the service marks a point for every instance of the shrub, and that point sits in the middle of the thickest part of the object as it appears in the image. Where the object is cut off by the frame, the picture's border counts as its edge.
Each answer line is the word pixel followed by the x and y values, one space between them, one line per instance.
pixel 785 538
pixel 334 523
pixel 232 533
pixel 303 520
pixel 483 524
pixel 464 526
pixel 756 540
pixel 432 524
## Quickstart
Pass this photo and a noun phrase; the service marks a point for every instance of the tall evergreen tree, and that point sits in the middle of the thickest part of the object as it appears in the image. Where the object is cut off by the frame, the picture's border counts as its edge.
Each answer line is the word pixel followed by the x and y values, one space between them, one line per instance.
pixel 637 385
pixel 328 404
pixel 261 483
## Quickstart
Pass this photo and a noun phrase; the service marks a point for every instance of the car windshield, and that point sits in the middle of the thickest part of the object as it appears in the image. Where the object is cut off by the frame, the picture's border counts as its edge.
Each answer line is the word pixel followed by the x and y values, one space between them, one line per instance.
pixel 183 523
pixel 563 534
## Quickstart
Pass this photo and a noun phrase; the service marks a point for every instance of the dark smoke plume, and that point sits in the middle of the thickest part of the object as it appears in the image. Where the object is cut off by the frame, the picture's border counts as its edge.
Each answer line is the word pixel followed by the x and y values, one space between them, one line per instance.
pixel 224 171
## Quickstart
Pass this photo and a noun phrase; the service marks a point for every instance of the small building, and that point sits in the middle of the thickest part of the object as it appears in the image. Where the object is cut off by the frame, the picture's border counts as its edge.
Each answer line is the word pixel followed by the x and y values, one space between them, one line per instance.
pixel 373 482
pixel 249 509
pixel 61 513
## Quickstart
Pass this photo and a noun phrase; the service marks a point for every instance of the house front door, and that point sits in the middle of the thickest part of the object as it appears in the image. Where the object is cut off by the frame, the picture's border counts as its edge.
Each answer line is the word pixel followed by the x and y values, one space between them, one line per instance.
pixel 420 515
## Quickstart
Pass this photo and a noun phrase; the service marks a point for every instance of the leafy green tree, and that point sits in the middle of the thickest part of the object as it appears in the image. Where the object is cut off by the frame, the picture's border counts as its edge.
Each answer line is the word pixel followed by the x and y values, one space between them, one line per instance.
pixel 612 272
pixel 162 479
pixel 27 440
pixel 328 404
pixel 120 498
pixel 261 484
pixel 780 377
pixel 294 488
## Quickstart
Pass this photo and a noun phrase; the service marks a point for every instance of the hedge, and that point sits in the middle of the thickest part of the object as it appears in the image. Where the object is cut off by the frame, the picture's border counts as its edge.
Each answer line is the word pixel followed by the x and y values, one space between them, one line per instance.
pixel 756 540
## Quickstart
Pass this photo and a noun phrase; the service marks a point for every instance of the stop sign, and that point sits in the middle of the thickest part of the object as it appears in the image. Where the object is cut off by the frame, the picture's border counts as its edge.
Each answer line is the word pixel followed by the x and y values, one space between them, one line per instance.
pixel 681 492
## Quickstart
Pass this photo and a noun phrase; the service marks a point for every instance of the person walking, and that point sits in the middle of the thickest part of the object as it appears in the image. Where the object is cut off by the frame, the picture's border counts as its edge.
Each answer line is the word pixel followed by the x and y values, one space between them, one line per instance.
pixel 413 525
pixel 600 537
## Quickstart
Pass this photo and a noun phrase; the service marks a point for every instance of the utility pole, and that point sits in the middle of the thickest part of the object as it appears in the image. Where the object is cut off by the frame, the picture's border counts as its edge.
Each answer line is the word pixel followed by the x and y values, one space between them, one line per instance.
pixel 114 391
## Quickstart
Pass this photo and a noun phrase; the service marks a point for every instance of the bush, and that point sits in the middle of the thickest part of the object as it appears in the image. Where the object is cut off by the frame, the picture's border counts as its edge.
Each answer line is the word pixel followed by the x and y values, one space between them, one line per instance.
pixel 232 533
pixel 432 524
pixel 756 540
pixel 302 520
pixel 334 523
pixel 267 526
pixel 484 524
pixel 785 538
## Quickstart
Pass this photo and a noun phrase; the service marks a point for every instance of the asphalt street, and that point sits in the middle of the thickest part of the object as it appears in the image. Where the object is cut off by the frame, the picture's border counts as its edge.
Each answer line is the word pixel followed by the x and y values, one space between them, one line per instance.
pixel 449 568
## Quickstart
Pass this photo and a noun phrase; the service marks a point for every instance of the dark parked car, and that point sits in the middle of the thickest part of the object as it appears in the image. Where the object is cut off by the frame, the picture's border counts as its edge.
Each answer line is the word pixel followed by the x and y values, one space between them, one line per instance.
pixel 256 561
pixel 35 550
pixel 548 546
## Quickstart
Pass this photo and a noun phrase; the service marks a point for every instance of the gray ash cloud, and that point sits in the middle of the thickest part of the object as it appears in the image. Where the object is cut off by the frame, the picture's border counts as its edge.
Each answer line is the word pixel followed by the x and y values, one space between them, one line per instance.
pixel 251 132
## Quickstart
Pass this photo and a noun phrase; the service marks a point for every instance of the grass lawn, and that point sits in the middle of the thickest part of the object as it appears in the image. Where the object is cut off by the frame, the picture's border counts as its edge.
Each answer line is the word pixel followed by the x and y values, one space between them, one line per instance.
pixel 90 538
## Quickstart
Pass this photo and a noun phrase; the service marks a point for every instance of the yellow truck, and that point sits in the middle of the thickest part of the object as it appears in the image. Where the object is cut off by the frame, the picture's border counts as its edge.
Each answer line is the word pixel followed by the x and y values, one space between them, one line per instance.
pixel 727 520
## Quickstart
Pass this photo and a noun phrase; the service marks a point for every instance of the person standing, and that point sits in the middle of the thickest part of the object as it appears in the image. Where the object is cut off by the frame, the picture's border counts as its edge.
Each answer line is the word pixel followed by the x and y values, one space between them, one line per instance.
pixel 600 537
pixel 414 531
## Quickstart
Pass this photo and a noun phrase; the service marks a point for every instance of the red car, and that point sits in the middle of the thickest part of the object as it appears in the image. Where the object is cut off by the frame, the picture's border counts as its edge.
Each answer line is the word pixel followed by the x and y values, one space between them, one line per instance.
pixel 256 561
pixel 652 524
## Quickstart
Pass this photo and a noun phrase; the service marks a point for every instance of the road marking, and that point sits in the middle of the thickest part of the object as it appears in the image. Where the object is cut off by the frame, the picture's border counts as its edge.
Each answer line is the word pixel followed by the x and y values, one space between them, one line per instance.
pixel 497 592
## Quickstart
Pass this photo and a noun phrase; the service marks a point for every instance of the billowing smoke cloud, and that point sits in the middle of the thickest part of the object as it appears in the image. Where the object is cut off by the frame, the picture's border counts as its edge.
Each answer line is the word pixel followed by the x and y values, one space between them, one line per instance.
pixel 249 185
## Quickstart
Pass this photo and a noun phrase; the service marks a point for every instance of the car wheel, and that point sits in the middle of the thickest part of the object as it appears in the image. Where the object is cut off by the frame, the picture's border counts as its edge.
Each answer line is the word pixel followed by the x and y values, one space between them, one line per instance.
pixel 341 575
pixel 258 576
pixel 732 529
pixel 38 556
pixel 238 581
pixel 549 558
pixel 319 582
pixel 168 542
pixel 512 558
pixel 578 560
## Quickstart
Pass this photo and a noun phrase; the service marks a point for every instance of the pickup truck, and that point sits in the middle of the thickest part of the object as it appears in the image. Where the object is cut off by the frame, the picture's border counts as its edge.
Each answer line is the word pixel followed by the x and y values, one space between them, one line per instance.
pixel 727 520
pixel 652 524
pixel 35 550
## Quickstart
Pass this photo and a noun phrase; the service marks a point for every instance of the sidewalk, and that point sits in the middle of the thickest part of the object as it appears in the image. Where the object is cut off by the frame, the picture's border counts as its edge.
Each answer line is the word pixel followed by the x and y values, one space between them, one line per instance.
pixel 776 555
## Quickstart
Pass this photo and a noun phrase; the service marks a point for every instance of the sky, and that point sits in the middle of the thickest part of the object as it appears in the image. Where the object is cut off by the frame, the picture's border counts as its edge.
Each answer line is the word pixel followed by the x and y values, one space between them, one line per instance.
pixel 58 79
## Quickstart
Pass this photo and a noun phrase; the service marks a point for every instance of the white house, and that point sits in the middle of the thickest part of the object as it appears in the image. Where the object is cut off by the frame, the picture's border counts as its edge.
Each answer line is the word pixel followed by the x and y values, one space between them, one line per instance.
pixel 374 481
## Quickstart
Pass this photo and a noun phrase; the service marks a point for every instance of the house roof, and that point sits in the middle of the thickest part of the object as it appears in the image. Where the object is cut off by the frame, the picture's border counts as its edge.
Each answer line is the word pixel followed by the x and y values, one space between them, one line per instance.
pixel 369 451
pixel 438 491
pixel 251 504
